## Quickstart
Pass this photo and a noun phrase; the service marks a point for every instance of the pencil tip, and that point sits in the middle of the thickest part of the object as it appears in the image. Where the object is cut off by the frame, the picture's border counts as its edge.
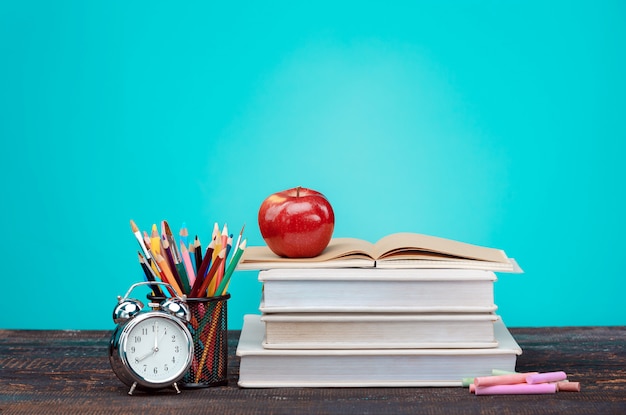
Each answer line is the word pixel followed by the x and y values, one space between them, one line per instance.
pixel 133 226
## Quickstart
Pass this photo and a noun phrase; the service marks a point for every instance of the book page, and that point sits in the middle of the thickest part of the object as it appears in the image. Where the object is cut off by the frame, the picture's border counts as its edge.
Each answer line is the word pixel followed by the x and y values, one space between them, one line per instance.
pixel 402 244
pixel 338 248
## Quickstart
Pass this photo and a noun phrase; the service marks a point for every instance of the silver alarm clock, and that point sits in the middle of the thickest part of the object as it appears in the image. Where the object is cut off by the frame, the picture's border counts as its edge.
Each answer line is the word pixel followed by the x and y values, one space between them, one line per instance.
pixel 151 349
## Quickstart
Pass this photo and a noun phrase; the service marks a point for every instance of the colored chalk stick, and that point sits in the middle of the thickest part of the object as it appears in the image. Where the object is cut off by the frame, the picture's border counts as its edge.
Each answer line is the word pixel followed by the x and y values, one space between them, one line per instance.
pixel 546 377
pixel 516 389
pixel 502 379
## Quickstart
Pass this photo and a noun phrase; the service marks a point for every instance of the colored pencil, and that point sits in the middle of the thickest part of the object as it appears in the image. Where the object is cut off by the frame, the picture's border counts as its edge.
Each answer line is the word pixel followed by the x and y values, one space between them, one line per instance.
pixel 216 230
pixel 183 235
pixel 166 233
pixel 223 237
pixel 169 257
pixel 217 237
pixel 192 257
pixel 239 237
pixel 150 276
pixel 229 245
pixel 191 273
pixel 182 273
pixel 198 253
pixel 155 241
pixel 176 257
pixel 155 268
pixel 221 289
pixel 146 240
pixel 206 261
pixel 167 273
pixel 184 278
pixel 201 284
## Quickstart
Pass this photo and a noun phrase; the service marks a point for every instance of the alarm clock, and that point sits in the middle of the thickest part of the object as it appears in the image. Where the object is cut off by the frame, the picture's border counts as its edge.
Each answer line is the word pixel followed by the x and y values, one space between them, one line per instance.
pixel 151 349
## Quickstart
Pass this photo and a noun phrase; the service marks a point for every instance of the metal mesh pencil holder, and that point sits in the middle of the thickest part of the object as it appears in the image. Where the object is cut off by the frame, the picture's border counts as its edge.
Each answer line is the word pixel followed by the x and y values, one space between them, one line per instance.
pixel 208 324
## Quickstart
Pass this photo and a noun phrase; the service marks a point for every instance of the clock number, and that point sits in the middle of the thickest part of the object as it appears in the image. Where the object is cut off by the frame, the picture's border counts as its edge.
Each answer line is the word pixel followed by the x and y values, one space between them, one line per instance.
pixel 165 367
pixel 173 338
pixel 145 368
pixel 137 339
pixel 132 349
pixel 177 349
pixel 155 370
pixel 144 330
pixel 174 358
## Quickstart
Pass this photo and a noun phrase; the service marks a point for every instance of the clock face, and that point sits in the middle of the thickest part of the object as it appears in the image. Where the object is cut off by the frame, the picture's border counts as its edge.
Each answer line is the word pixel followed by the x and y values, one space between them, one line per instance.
pixel 156 348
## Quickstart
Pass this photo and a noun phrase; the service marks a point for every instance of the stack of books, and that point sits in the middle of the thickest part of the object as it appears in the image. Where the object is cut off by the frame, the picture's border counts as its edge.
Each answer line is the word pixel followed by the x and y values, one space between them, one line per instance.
pixel 410 310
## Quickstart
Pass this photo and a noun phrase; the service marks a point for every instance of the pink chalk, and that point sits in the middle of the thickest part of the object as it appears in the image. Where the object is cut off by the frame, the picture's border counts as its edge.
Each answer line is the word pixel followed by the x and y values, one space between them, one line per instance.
pixel 517 389
pixel 502 379
pixel 472 388
pixel 546 377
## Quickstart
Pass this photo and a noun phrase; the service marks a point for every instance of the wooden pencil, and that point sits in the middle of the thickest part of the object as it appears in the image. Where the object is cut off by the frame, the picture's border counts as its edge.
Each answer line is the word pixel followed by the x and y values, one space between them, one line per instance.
pixel 167 273
pixel 191 273
pixel 198 253
pixel 221 289
pixel 201 285
pixel 239 237
pixel 150 276
pixel 155 241
pixel 166 233
pixel 171 262
pixel 183 235
pixel 206 261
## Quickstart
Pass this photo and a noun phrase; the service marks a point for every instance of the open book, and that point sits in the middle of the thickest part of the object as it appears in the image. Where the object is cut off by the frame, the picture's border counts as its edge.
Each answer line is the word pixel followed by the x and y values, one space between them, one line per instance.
pixel 398 250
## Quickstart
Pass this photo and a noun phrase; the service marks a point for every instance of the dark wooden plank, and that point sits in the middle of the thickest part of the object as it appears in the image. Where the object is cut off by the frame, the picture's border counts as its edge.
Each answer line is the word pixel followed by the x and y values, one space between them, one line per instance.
pixel 67 372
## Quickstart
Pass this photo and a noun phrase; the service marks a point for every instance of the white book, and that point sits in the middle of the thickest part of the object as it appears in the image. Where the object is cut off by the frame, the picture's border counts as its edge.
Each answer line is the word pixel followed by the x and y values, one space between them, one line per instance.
pixel 377 290
pixel 378 330
pixel 271 368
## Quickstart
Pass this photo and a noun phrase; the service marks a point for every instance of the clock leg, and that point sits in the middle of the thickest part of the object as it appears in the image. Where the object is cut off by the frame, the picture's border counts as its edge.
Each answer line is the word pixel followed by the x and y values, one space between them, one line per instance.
pixel 175 385
pixel 132 388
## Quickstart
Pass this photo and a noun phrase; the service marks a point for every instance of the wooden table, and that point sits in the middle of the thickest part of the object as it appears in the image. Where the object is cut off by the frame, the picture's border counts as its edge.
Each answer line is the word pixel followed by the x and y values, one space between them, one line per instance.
pixel 68 372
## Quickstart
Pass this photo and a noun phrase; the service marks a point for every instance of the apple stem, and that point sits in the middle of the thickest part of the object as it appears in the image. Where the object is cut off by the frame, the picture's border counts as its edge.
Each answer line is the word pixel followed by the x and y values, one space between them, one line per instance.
pixel 298 191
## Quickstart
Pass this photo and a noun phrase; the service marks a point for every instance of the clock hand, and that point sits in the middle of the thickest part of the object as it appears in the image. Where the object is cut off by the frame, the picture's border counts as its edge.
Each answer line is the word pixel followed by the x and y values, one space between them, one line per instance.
pixel 157 340
pixel 162 336
pixel 139 359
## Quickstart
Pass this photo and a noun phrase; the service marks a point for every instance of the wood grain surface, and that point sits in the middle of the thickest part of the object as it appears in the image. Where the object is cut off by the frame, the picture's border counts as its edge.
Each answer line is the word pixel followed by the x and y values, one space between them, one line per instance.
pixel 68 372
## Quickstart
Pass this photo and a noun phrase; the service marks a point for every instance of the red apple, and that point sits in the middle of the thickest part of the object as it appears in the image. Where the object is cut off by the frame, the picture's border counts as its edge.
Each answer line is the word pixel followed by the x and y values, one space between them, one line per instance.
pixel 296 223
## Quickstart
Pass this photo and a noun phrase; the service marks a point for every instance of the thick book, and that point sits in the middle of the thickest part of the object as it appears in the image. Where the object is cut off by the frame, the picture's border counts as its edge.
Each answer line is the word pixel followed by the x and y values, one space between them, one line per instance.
pixel 379 330
pixel 376 290
pixel 398 250
pixel 272 368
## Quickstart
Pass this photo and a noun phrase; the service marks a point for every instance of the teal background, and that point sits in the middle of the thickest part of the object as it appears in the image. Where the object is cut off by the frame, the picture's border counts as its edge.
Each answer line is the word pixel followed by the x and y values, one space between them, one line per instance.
pixel 494 123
